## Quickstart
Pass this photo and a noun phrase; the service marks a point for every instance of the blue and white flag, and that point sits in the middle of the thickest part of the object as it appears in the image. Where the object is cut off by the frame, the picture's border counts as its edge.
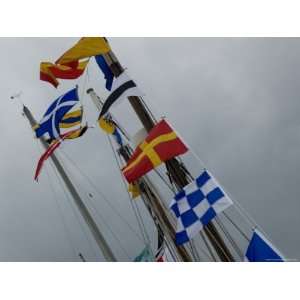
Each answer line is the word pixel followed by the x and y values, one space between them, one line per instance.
pixel 55 113
pixel 196 205
pixel 123 86
pixel 261 250
pixel 108 75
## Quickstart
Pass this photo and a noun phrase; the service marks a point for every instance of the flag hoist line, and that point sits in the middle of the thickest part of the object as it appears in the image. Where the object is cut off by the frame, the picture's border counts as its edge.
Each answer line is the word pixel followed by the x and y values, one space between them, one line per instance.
pixel 177 173
pixel 149 195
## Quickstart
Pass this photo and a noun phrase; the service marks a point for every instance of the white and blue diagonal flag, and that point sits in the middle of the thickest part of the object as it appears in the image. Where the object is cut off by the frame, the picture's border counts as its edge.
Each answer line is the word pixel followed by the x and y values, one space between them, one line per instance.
pixel 196 205
pixel 261 250
pixel 55 113
pixel 123 86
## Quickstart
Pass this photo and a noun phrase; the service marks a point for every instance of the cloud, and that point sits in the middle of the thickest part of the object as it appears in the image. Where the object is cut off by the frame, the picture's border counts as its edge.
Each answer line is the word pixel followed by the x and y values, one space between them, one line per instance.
pixel 235 100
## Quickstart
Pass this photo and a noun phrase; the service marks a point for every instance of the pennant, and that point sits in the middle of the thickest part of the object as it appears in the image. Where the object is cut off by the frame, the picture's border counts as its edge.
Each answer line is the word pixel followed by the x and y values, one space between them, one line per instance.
pixel 50 72
pixel 85 47
pixel 108 75
pixel 54 145
pixel 261 250
pixel 122 87
pixel 55 114
pixel 196 205
pixel 161 144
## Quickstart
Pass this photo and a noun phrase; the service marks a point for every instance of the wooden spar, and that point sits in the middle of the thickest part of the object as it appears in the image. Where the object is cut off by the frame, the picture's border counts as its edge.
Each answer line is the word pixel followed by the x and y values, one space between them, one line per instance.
pixel 99 238
pixel 176 172
pixel 150 196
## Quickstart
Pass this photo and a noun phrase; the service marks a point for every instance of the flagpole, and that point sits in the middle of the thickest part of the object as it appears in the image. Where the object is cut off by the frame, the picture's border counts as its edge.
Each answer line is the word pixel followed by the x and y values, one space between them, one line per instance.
pixel 149 195
pixel 99 238
pixel 176 171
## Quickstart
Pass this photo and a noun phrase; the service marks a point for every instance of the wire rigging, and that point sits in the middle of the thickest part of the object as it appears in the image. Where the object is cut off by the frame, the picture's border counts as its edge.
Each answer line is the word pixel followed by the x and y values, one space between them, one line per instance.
pixel 59 208
pixel 236 227
pixel 85 176
pixel 100 216
pixel 75 212
pixel 229 238
pixel 96 210
pixel 133 205
pixel 208 246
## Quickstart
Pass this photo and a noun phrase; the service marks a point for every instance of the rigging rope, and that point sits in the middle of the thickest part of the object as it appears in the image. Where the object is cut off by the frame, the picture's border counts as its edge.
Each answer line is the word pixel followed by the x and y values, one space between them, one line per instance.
pixel 75 212
pixel 194 251
pixel 132 202
pixel 236 227
pixel 229 238
pixel 208 246
pixel 237 205
pixel 148 110
pixel 59 208
pixel 100 216
pixel 85 176
pixel 108 227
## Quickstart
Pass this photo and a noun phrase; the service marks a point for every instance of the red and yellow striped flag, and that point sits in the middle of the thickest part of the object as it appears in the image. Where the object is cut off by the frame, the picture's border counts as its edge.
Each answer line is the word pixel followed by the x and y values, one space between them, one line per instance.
pixel 161 144
pixel 50 72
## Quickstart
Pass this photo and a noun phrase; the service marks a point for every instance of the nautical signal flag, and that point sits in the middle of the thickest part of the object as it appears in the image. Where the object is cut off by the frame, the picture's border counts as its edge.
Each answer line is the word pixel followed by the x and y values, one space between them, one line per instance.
pixel 134 190
pixel 85 47
pixel 50 72
pixel 110 127
pixel 196 205
pixel 55 114
pixel 108 75
pixel 161 144
pixel 122 87
pixel 71 119
pixel 53 146
pixel 76 133
pixel 261 250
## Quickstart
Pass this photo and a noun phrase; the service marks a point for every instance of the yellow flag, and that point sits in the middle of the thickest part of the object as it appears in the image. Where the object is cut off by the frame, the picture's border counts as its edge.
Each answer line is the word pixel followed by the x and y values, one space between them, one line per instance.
pixel 85 47
pixel 134 190
pixel 108 126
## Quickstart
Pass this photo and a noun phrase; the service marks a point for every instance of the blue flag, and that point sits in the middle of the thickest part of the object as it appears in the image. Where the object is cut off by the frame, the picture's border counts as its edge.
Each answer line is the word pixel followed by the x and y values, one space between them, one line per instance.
pixel 196 205
pixel 55 114
pixel 108 75
pixel 261 250
pixel 118 137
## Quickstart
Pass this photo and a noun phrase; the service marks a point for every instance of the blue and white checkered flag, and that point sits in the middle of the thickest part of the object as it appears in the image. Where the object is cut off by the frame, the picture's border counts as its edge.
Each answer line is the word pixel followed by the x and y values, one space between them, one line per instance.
pixel 196 205
pixel 55 113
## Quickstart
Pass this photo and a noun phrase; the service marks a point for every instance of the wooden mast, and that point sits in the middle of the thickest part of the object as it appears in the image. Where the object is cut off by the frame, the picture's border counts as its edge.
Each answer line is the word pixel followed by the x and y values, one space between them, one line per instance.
pixel 99 238
pixel 150 196
pixel 176 172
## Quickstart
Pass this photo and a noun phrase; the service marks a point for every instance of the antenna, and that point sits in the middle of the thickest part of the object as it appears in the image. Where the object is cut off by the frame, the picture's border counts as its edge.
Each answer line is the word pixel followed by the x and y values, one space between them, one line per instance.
pixel 17 96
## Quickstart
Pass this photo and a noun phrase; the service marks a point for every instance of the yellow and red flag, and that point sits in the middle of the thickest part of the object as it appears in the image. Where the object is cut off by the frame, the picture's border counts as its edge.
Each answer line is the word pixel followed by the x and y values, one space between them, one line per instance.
pixel 85 47
pixel 50 72
pixel 161 144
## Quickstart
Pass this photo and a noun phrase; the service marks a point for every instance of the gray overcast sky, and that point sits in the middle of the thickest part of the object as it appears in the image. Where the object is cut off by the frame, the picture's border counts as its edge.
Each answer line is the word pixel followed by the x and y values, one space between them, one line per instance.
pixel 235 100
